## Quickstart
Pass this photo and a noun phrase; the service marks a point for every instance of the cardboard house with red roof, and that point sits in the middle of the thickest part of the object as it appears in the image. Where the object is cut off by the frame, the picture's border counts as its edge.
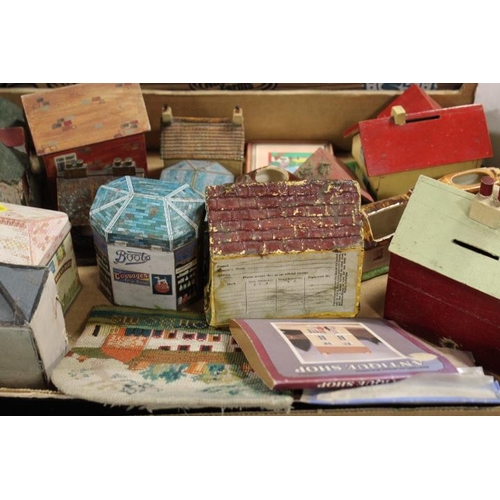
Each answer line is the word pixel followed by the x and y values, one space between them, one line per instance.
pixel 414 136
pixel 284 249
pixel 95 123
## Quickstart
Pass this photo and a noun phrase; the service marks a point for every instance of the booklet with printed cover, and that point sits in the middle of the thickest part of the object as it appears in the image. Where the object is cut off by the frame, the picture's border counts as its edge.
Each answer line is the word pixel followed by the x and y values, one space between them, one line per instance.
pixel 334 354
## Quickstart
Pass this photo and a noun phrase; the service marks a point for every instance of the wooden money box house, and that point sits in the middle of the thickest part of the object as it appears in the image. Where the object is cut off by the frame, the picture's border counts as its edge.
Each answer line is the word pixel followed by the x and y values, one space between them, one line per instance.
pixel 146 236
pixel 92 122
pixel 33 335
pixel 38 237
pixel 284 249
pixel 414 99
pixel 444 273
pixel 219 140
pixel 394 151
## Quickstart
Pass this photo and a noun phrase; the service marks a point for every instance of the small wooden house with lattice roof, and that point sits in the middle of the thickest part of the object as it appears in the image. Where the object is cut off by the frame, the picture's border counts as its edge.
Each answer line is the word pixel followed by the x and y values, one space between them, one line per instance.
pixel 220 140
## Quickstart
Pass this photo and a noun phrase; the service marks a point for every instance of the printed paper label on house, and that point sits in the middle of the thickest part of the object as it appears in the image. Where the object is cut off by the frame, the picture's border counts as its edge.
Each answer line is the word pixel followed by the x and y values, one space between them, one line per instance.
pixel 302 285
pixel 142 277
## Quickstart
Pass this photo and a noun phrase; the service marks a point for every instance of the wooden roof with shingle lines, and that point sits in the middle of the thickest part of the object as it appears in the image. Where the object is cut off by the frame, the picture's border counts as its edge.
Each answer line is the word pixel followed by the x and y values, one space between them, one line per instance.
pixel 202 139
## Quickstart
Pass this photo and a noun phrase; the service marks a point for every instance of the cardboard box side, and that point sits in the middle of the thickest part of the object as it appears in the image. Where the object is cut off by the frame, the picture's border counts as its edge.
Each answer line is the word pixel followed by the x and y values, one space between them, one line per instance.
pixel 272 115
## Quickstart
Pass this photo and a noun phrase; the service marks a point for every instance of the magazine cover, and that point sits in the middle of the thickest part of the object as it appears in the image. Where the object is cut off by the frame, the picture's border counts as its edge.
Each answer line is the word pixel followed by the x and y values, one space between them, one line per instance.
pixel 334 354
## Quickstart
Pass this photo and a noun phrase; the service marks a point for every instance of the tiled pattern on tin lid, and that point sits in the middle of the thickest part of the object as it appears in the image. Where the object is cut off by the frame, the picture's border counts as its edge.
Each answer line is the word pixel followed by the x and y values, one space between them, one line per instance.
pixel 146 212
pixel 198 174
pixel 259 218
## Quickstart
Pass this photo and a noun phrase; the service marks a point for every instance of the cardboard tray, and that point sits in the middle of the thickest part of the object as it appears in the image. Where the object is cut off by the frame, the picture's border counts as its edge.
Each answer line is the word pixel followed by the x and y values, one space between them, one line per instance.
pixel 299 115
pixel 52 402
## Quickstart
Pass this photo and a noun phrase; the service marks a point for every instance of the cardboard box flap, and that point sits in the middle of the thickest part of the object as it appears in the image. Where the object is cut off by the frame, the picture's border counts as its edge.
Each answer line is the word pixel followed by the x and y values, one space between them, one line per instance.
pixel 427 139
pixel 30 235
pixel 83 114
pixel 272 115
pixel 436 223
pixel 275 115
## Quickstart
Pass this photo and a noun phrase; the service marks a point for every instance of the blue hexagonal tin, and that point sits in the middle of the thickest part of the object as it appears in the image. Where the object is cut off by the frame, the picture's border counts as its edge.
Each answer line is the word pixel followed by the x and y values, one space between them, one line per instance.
pixel 146 235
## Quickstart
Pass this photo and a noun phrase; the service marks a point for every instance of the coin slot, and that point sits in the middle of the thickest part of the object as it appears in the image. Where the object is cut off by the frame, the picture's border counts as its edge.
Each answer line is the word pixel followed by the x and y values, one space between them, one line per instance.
pixel 476 249
pixel 423 119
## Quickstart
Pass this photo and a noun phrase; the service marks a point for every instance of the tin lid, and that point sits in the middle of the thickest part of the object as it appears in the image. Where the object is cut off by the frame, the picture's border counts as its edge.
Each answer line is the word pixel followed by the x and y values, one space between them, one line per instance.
pixel 30 235
pixel 145 212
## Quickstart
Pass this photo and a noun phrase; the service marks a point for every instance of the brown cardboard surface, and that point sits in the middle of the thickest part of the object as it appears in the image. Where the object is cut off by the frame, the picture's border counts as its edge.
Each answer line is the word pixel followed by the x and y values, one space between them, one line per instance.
pixel 42 402
pixel 294 115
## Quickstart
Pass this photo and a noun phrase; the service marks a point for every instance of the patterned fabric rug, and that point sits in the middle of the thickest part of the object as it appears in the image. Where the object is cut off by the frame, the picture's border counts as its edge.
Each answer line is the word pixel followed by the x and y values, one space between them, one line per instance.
pixel 161 360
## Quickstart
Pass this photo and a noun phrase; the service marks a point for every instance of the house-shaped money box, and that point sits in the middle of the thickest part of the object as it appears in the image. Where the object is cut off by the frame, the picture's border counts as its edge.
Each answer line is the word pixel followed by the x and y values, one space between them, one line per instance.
pixel 392 152
pixel 219 140
pixel 444 273
pixel 414 99
pixel 146 236
pixel 38 237
pixel 32 329
pixel 92 122
pixel 284 249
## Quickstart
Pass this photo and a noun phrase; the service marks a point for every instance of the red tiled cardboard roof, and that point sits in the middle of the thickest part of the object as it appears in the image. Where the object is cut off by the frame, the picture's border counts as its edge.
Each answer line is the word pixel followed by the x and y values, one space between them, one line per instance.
pixel 262 218
pixel 202 139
